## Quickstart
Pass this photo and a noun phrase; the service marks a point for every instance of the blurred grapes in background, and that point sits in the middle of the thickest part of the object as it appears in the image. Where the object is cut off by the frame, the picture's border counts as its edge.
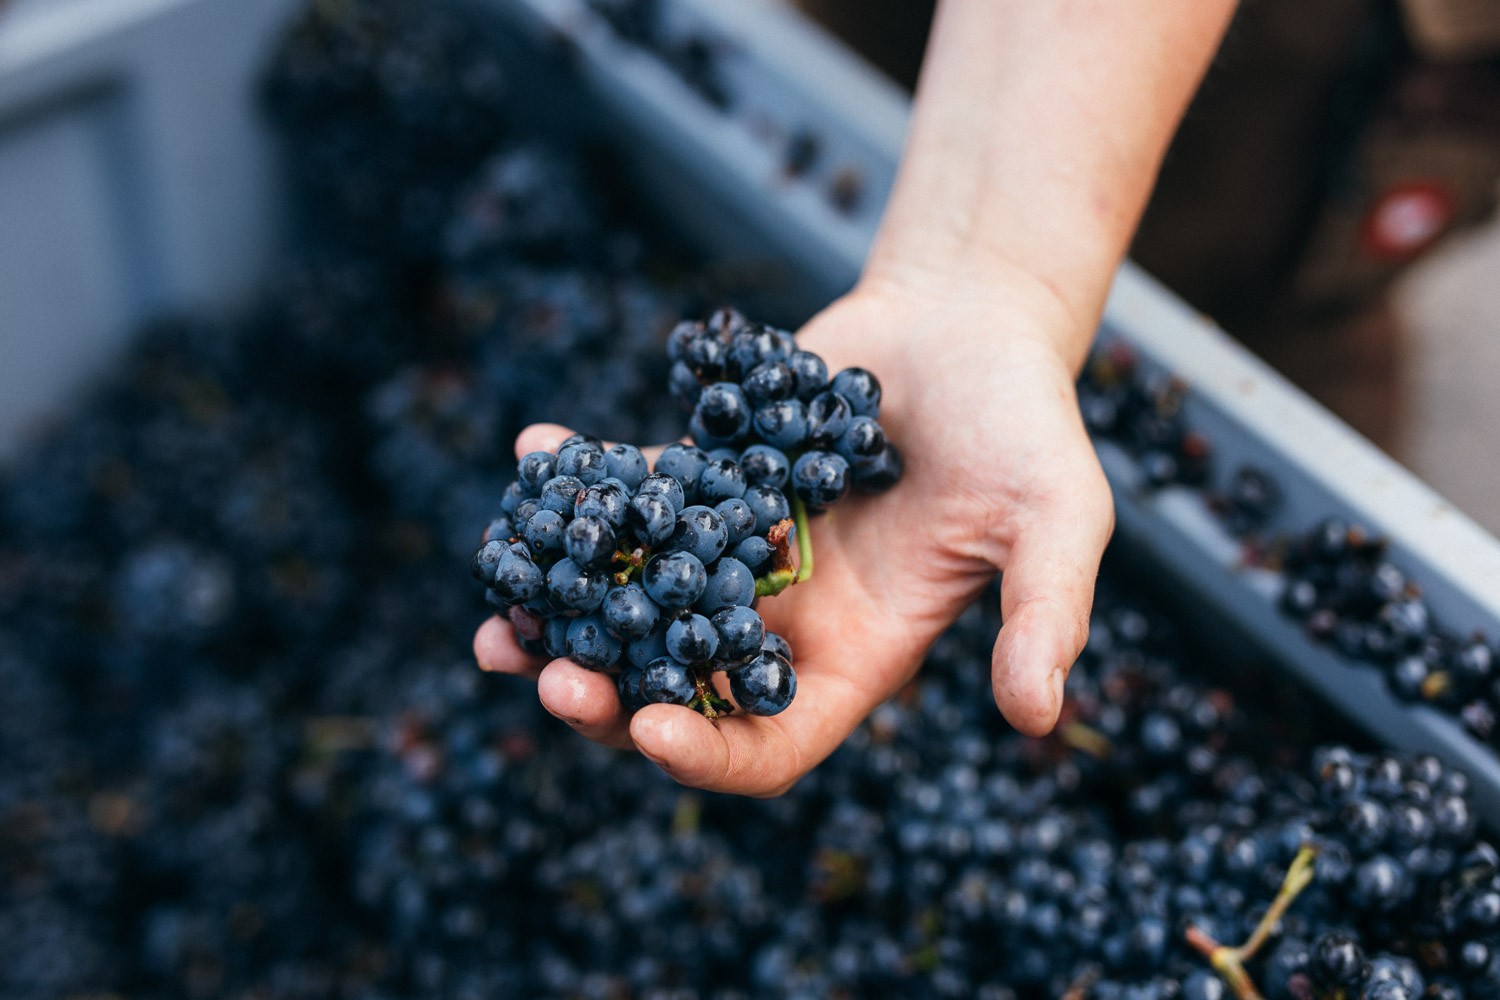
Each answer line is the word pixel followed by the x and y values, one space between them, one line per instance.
pixel 244 751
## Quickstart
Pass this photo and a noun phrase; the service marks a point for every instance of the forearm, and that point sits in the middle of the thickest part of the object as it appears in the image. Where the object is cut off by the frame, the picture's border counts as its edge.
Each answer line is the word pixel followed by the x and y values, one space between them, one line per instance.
pixel 1036 137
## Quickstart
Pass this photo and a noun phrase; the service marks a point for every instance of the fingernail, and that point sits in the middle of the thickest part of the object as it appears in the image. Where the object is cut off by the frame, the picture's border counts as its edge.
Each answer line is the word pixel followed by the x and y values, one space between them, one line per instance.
pixel 1059 678
pixel 655 760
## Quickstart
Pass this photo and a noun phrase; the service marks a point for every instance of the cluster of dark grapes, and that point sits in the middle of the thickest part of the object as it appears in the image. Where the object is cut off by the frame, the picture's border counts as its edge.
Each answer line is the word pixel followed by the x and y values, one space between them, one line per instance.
pixel 1339 578
pixel 244 750
pixel 1143 414
pixel 1343 586
pixel 653 573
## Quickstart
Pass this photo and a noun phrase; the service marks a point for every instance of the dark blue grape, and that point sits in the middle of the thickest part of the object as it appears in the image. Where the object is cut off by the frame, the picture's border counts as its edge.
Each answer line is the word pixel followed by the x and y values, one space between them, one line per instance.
pixel 828 418
pixel 861 388
pixel 724 411
pixel 705 356
pixel 721 480
pixel 783 424
pixel 821 479
pixel 668 488
pixel 629 613
pixel 517 577
pixel 767 383
pixel 691 639
pixel 590 644
pixel 700 530
pixel 739 520
pixel 626 463
pixel 628 684
pixel 555 636
pixel 752 346
pixel 575 590
pixel 754 552
pixel 487 559
pixel 878 474
pixel 675 579
pixel 1337 960
pixel 765 685
pixel 511 498
pixel 684 384
pixel 560 494
pixel 579 438
pixel 534 469
pixel 769 505
pixel 776 644
pixel 667 682
pixel 606 501
pixel 809 372
pixel 685 463
pixel 653 647
pixel 652 519
pixel 862 441
pixel 683 334
pixel 730 583
pixel 544 533
pixel 584 462
pixel 590 542
pixel 500 529
pixel 524 512
pixel 764 465
pixel 741 635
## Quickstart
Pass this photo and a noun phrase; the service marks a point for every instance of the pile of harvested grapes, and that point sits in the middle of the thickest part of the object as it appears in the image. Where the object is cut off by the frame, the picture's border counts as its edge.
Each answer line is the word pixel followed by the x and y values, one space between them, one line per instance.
pixel 244 751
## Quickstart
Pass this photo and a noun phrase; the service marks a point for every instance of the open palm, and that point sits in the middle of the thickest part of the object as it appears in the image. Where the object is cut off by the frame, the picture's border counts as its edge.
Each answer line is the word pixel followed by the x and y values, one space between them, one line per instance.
pixel 1000 476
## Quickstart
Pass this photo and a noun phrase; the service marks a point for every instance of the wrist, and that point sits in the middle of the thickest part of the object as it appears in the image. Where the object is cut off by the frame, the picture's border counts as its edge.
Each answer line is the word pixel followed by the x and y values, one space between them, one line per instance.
pixel 988 296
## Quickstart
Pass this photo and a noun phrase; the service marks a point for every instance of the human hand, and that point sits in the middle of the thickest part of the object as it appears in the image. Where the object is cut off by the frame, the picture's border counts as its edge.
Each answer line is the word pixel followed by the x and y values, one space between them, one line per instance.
pixel 1000 475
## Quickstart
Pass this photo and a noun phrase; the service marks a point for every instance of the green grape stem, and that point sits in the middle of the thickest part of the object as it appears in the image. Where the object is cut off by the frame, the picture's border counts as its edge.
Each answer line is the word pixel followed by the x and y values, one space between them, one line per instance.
pixel 1229 962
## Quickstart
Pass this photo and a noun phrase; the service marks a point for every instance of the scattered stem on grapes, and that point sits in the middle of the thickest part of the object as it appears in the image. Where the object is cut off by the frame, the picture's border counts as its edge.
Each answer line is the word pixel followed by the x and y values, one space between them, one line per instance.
pixel 1229 962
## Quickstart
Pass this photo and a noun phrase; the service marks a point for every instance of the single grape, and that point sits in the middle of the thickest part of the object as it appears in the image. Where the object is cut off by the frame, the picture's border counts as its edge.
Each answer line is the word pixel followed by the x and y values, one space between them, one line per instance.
pixel 724 411
pixel 626 463
pixel 544 534
pixel 861 388
pixel 500 529
pixel 730 583
pixel 605 500
pixel 590 542
pixel 701 531
pixel 629 613
pixel 828 418
pixel 739 520
pixel 555 636
pixel 691 639
pixel 674 579
pixel 721 480
pixel 590 645
pixel 628 684
pixel 764 465
pixel 517 578
pixel 765 685
pixel 754 552
pixel 821 479
pixel 653 647
pixel 809 373
pixel 776 644
pixel 768 382
pixel 783 424
pixel 684 384
pixel 487 559
pixel 652 519
pixel 863 440
pixel 667 682
pixel 741 635
pixel 574 589
pixel 534 469
pixel 769 505
pixel 584 462
pixel 685 463
pixel 668 488
pixel 560 494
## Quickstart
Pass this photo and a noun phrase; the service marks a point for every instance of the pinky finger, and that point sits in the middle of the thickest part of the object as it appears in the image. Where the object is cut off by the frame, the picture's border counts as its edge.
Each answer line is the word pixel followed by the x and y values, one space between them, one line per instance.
pixel 496 650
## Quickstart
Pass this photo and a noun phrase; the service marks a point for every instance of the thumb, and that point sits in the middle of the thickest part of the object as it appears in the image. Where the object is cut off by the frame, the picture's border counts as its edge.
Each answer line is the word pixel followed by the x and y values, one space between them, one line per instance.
pixel 1046 593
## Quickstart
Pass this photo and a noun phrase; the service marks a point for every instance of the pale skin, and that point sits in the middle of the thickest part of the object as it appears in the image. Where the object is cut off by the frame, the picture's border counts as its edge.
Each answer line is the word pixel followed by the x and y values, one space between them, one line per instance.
pixel 1037 132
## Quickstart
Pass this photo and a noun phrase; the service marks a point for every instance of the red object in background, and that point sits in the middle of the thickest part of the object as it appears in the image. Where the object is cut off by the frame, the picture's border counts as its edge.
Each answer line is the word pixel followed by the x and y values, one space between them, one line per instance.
pixel 1407 218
